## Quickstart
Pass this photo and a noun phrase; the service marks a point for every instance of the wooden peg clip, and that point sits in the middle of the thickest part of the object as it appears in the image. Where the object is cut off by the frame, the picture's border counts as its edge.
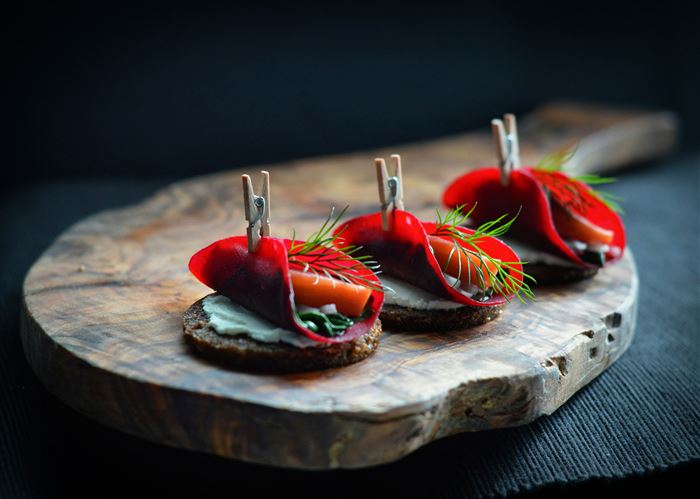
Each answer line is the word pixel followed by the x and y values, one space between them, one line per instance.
pixel 507 145
pixel 257 210
pixel 390 189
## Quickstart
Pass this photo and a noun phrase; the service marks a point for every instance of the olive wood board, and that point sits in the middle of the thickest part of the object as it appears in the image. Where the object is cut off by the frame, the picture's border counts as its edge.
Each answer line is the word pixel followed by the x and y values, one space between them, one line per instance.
pixel 102 323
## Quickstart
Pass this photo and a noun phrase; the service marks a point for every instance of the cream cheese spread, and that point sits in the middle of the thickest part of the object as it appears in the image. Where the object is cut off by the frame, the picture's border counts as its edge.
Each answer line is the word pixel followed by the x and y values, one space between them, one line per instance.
pixel 229 318
pixel 527 253
pixel 410 296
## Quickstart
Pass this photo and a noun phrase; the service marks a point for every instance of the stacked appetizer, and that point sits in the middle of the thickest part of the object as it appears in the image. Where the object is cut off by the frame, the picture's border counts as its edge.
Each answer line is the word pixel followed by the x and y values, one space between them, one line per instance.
pixel 284 304
pixel 439 275
pixel 289 305
pixel 566 230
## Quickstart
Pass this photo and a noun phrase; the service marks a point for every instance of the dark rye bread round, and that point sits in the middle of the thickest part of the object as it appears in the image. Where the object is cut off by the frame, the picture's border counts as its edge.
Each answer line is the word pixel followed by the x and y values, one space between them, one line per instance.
pixel 244 352
pixel 412 319
pixel 546 274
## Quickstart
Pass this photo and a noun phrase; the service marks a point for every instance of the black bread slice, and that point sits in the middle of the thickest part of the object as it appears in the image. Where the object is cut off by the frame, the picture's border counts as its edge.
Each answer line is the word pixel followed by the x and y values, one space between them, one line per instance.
pixel 244 352
pixel 411 319
pixel 547 274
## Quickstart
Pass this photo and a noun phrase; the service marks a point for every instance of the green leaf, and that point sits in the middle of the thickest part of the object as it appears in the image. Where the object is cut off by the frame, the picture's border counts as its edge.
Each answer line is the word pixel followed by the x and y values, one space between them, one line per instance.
pixel 330 324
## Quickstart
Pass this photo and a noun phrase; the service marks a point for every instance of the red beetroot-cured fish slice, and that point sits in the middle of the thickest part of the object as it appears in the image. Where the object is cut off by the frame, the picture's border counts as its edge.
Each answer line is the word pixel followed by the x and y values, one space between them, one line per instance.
pixel 260 282
pixel 579 201
pixel 527 192
pixel 404 252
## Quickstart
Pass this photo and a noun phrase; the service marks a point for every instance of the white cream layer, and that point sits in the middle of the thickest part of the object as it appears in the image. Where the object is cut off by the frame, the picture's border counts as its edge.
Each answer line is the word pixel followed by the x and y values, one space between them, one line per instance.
pixel 229 318
pixel 410 296
pixel 527 253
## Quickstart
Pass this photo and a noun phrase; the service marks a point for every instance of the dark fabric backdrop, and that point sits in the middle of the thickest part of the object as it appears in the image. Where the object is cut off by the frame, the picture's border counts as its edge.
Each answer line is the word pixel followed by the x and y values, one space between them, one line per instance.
pixel 103 104
pixel 172 90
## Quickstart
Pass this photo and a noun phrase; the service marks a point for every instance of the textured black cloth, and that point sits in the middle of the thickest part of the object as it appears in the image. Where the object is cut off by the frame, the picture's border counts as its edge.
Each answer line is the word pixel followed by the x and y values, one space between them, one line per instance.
pixel 641 415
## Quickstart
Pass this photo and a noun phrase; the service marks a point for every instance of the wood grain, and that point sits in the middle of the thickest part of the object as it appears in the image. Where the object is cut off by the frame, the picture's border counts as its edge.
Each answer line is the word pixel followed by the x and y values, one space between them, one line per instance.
pixel 103 309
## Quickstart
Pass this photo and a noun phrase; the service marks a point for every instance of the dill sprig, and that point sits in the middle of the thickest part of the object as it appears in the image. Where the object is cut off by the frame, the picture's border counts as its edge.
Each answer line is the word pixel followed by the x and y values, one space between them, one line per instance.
pixel 609 199
pixel 556 162
pixel 502 280
pixel 324 254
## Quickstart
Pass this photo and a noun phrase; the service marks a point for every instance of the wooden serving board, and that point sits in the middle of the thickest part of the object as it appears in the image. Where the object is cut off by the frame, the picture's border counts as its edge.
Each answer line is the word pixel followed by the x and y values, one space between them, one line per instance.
pixel 102 322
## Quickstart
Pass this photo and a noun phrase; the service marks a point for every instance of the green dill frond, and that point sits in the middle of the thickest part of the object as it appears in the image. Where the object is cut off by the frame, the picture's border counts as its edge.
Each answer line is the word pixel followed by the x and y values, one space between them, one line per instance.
pixel 555 161
pixel 593 179
pixel 610 200
pixel 503 280
pixel 455 216
pixel 324 254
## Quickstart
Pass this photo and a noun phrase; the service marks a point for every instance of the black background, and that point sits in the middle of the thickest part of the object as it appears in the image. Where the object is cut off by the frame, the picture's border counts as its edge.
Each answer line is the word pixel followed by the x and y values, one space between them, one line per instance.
pixel 97 96
pixel 175 90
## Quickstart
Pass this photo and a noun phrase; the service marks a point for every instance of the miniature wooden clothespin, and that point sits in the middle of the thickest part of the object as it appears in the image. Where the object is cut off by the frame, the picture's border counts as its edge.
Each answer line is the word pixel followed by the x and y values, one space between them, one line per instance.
pixel 390 189
pixel 507 147
pixel 257 210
